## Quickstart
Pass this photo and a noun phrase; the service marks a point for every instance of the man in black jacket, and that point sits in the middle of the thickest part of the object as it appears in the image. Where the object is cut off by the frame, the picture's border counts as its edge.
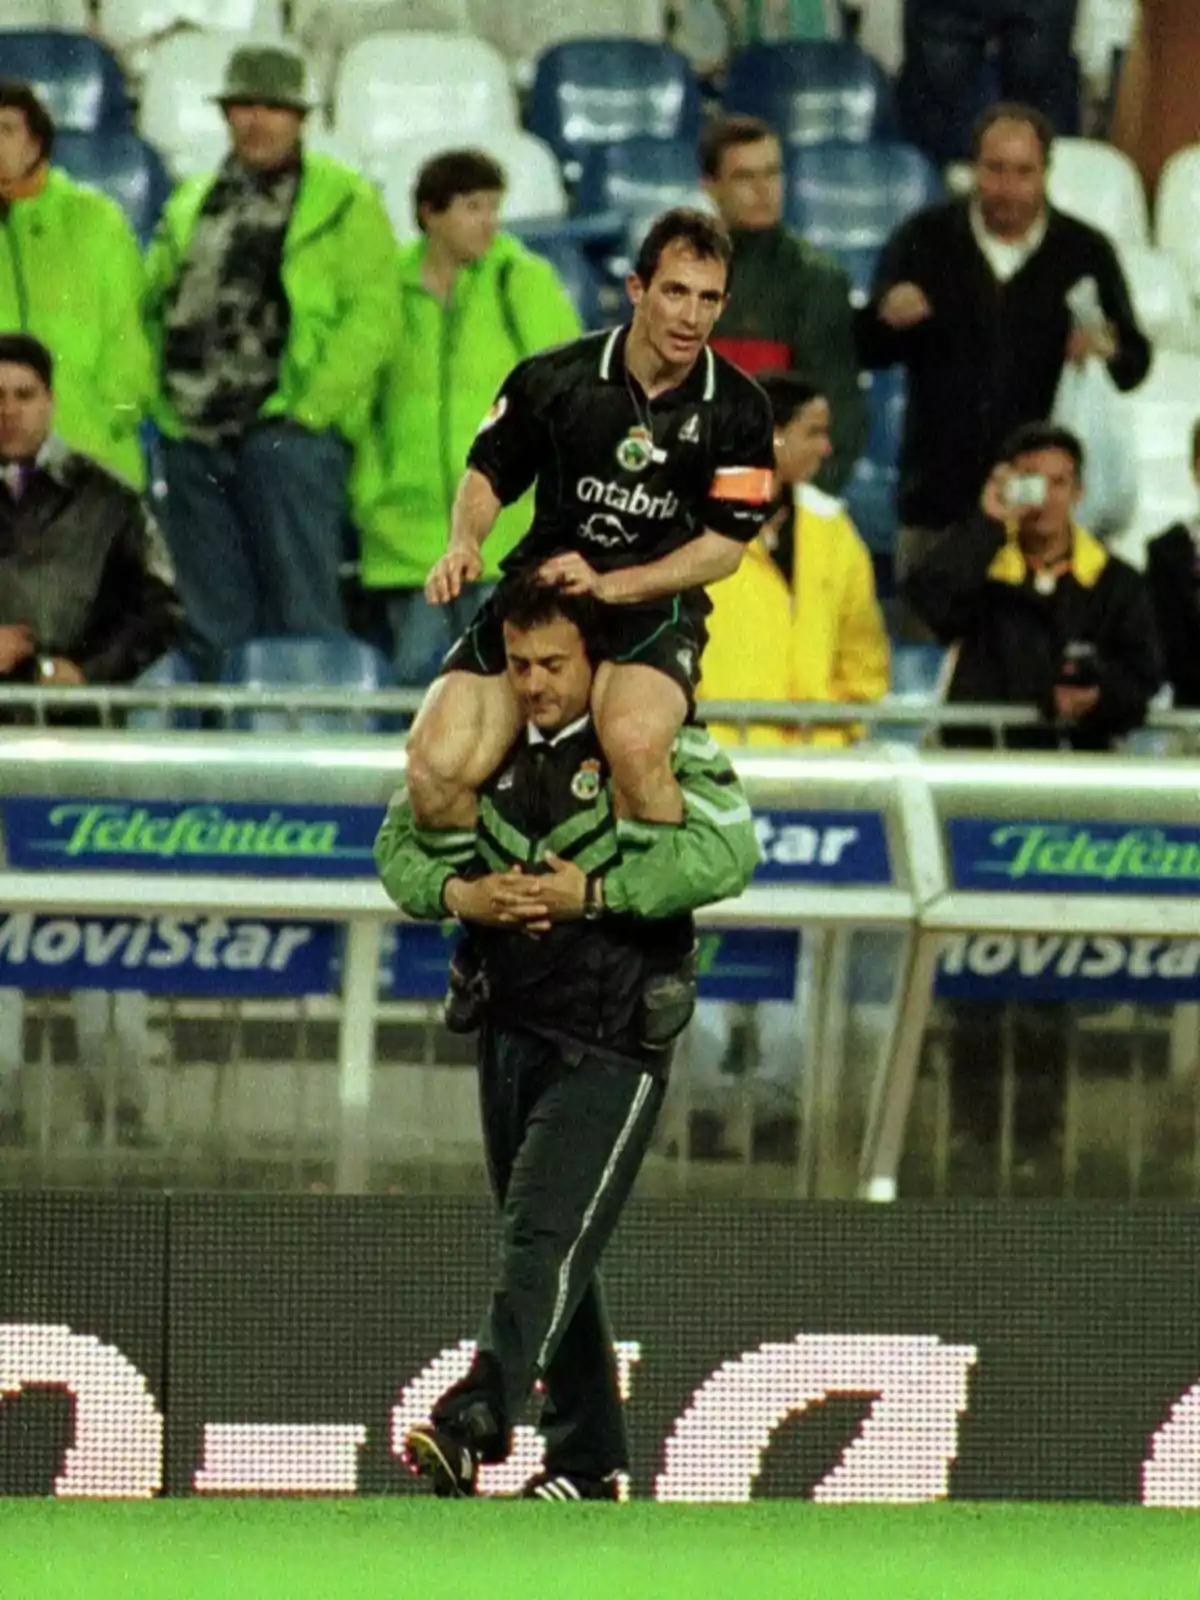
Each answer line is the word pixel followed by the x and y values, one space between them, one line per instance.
pixel 85 586
pixel 85 597
pixel 1040 613
pixel 1173 578
pixel 971 297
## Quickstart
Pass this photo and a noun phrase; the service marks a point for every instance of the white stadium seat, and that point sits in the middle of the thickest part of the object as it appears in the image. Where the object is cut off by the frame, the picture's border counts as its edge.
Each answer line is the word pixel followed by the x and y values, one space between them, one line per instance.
pixel 522 29
pixel 71 15
pixel 534 191
pixel 328 28
pixel 1161 298
pixel 1100 184
pixel 1177 212
pixel 1102 27
pixel 398 86
pixel 125 23
pixel 177 114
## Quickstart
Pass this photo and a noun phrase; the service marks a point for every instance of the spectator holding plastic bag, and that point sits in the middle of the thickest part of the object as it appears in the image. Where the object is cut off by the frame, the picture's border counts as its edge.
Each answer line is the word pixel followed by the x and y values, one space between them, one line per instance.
pixel 975 299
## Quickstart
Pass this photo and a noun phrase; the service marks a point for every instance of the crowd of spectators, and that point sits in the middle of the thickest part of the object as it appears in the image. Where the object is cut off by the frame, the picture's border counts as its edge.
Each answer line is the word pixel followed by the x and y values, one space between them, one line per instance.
pixel 312 386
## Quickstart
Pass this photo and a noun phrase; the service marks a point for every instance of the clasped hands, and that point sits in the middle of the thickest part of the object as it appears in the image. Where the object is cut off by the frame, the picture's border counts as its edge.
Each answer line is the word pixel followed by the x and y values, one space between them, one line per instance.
pixel 523 901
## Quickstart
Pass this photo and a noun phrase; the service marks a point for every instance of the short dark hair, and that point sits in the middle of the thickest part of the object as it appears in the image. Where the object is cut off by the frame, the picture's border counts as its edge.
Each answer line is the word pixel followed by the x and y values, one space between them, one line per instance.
pixel 788 393
pixel 726 133
pixel 1044 436
pixel 23 350
pixel 17 95
pixel 703 234
pixel 1014 111
pixel 444 177
pixel 522 600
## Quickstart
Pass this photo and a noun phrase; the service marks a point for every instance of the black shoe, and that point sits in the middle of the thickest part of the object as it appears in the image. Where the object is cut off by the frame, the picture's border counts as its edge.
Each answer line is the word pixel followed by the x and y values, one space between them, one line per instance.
pixel 466 995
pixel 668 1001
pixel 443 1458
pixel 560 1486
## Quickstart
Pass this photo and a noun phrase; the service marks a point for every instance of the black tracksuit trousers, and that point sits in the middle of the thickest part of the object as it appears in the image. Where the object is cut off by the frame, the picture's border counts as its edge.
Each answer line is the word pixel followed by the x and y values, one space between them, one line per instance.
pixel 565 1134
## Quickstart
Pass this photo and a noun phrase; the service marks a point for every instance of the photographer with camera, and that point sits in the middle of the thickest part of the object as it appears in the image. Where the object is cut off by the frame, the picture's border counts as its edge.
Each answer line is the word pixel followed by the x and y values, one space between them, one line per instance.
pixel 1040 613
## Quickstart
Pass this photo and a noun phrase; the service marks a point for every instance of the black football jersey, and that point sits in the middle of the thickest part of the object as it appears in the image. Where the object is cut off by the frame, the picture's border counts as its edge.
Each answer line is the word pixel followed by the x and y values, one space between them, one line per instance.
pixel 620 478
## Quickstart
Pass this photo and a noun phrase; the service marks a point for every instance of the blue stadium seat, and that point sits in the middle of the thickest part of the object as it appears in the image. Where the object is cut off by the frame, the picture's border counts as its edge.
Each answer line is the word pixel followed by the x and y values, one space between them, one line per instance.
pixel 337 662
pixel 871 492
pixel 584 283
pixel 633 181
pixel 916 675
pixel 848 198
pixel 77 77
pixel 812 91
pixel 169 672
pixel 121 166
pixel 597 91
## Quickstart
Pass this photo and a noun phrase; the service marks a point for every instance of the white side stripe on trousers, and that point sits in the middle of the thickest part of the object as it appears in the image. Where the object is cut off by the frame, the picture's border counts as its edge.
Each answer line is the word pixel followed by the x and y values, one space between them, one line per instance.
pixel 564 1272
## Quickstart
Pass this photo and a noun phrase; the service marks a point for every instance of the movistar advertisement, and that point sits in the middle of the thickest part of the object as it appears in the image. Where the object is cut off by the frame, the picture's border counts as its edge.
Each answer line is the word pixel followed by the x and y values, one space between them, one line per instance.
pixel 1039 857
pixel 835 1352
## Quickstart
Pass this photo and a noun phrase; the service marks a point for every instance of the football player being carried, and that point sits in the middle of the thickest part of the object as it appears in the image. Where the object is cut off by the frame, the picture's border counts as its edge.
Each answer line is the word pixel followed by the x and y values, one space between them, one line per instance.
pixel 653 463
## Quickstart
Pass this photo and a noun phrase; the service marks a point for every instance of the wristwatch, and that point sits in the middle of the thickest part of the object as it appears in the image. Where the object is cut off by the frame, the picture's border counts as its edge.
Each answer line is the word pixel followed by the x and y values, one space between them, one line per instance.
pixel 593 898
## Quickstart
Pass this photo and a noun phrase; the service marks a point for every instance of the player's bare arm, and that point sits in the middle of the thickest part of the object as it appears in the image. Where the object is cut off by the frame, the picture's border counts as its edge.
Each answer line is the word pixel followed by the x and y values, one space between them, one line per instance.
pixel 476 507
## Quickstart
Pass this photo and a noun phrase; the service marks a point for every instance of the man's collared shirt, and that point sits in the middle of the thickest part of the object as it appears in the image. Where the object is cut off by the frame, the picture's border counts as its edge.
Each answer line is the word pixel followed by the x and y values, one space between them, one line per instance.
pixel 1006 257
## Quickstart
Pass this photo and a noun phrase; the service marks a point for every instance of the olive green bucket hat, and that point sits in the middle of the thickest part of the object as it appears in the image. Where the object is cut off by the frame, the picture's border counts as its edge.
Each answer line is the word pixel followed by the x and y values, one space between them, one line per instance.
pixel 263 75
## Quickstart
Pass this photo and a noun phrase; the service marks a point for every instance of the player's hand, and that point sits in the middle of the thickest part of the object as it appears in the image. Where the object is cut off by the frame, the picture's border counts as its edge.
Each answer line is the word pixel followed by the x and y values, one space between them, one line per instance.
pixel 460 565
pixel 904 306
pixel 572 574
pixel 499 900
pixel 16 645
pixel 562 890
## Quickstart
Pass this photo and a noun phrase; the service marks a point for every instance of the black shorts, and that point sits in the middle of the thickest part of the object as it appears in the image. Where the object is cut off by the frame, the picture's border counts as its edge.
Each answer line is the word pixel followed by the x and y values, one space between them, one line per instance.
pixel 668 635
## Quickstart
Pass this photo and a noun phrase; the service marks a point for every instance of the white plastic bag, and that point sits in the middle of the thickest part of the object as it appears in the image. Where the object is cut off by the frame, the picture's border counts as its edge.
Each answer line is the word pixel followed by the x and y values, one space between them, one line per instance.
pixel 1086 402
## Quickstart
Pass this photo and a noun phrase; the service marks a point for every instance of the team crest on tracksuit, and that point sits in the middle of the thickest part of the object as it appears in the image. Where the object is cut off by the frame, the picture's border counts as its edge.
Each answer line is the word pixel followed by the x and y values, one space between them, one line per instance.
pixel 585 785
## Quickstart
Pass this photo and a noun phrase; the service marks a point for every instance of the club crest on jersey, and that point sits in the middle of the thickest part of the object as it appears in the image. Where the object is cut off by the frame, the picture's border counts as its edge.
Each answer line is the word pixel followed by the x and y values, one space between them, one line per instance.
pixel 585 785
pixel 636 450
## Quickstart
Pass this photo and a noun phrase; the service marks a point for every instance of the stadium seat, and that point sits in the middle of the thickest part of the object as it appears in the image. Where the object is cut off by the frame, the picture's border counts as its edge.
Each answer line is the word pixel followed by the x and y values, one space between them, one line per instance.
pixel 171 671
pixel 871 492
pixel 328 28
pixel 599 304
pixel 121 166
pixel 77 77
pixel 178 115
pixel 398 86
pixel 72 15
pixel 1177 212
pixel 337 662
pixel 813 91
pixel 599 91
pixel 1103 29
pixel 633 181
pixel 534 191
pixel 132 27
pixel 917 681
pixel 1099 183
pixel 522 32
pixel 848 198
pixel 1160 297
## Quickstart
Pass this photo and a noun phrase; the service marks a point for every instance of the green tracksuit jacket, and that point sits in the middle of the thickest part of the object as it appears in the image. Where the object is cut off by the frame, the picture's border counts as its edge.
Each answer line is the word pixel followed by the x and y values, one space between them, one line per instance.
pixel 71 275
pixel 339 275
pixel 443 371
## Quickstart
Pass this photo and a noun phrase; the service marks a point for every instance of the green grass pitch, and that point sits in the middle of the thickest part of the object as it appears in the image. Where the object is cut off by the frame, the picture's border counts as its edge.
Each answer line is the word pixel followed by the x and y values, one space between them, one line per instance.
pixel 770 1550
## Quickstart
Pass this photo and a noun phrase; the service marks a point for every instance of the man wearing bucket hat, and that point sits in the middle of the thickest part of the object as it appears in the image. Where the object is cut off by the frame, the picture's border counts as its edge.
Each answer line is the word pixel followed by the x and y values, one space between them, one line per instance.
pixel 272 300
